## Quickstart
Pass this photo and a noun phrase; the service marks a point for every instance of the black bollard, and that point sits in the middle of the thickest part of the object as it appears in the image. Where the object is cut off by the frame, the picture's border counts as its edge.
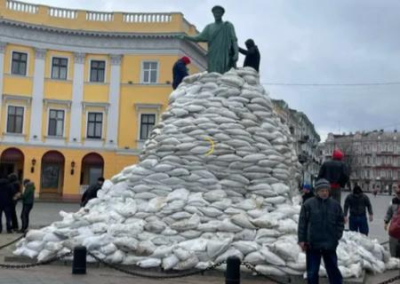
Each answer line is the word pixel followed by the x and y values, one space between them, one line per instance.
pixel 232 274
pixel 79 261
pixel 398 249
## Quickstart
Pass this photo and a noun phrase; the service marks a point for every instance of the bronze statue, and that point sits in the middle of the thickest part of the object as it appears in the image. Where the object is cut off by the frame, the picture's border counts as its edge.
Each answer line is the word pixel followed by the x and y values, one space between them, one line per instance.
pixel 223 51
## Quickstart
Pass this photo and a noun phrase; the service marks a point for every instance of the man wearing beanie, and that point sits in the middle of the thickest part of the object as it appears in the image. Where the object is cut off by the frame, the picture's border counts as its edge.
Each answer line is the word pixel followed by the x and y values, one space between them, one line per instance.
pixel 179 71
pixel 321 225
pixel 358 203
pixel 335 171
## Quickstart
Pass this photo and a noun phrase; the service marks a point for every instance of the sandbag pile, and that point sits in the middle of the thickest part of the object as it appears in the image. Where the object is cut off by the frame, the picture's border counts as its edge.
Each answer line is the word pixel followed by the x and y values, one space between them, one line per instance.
pixel 216 179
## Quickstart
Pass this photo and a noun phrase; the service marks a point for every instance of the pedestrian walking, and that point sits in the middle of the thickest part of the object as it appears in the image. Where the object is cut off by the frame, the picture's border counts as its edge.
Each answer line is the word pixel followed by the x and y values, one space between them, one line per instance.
pixel 28 198
pixel 307 192
pixel 179 71
pixel 335 172
pixel 321 225
pixel 252 54
pixel 392 223
pixel 375 192
pixel 358 203
pixel 5 203
pixel 16 190
pixel 91 192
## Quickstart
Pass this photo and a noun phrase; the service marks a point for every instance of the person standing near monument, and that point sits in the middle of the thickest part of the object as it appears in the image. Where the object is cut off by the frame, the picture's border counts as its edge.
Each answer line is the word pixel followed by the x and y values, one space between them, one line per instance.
pixel 252 54
pixel 223 50
pixel 179 71
pixel 321 225
pixel 335 172
pixel 358 203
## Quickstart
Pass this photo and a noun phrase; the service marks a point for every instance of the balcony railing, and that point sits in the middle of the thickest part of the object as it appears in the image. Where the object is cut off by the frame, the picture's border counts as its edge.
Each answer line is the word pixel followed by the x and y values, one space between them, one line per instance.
pixel 62 13
pixel 99 16
pixel 147 18
pixel 22 7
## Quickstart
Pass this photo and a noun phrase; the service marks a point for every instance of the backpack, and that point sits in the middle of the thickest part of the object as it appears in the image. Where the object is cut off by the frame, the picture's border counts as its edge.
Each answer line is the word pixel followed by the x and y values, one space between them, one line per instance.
pixel 394 229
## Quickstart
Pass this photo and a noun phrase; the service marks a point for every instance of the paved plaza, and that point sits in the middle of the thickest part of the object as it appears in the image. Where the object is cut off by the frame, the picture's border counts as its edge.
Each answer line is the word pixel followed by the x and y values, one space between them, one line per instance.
pixel 45 213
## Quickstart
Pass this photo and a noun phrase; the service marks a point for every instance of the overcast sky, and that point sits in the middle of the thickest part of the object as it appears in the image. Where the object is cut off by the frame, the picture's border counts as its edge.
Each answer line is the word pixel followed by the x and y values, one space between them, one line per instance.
pixel 310 41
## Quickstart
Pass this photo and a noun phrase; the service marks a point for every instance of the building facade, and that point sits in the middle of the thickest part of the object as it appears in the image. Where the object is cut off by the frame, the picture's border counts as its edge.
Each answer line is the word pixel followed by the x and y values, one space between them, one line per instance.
pixel 306 137
pixel 81 90
pixel 373 158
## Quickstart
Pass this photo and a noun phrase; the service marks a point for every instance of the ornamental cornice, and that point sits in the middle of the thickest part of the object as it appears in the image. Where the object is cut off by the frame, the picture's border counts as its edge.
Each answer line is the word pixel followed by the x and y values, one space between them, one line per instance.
pixel 99 42
pixel 7 98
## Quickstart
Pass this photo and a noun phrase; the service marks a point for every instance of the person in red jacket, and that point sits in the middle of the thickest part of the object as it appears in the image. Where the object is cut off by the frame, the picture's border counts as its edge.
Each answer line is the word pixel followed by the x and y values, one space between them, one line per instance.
pixel 335 171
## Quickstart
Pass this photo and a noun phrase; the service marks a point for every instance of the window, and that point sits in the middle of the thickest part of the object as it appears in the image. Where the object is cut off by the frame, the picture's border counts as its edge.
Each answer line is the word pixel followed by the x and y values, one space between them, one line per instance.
pixel 59 68
pixel 19 62
pixel 56 123
pixel 95 125
pixel 147 122
pixel 15 119
pixel 150 72
pixel 97 70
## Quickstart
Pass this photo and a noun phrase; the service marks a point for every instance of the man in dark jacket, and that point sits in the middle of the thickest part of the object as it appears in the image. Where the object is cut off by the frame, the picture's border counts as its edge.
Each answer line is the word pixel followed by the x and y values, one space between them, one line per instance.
pixel 252 54
pixel 5 203
pixel 321 226
pixel 335 172
pixel 358 203
pixel 16 189
pixel 179 71
pixel 91 192
pixel 28 197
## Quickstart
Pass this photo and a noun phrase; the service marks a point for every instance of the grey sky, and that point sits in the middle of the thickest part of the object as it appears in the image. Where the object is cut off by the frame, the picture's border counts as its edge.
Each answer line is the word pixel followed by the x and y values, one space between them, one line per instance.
pixel 311 41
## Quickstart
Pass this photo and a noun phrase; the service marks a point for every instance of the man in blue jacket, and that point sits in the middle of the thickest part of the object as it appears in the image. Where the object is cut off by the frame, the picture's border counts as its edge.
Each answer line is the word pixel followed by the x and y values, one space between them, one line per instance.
pixel 179 71
pixel 321 225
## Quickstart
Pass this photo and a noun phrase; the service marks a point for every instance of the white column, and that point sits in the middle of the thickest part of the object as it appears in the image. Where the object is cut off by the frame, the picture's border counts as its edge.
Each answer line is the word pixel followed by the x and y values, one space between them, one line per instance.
pixel 113 98
pixel 2 49
pixel 77 98
pixel 37 96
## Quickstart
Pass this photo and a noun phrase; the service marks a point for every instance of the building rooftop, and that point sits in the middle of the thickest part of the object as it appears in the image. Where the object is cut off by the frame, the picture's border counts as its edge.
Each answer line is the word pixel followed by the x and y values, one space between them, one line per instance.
pixel 95 21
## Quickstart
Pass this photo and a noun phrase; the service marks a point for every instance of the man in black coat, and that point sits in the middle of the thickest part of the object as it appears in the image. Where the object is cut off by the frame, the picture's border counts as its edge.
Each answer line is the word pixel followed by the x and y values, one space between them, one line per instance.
pixel 16 189
pixel 321 225
pixel 335 171
pixel 358 203
pixel 179 71
pixel 91 192
pixel 5 203
pixel 252 53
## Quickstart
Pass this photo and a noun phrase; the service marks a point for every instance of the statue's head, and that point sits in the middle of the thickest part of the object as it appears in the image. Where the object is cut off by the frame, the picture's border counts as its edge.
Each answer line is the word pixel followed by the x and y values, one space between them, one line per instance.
pixel 218 12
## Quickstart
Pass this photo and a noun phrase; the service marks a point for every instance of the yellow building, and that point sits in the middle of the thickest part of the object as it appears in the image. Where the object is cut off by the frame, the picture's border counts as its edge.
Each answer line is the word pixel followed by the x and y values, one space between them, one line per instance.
pixel 81 90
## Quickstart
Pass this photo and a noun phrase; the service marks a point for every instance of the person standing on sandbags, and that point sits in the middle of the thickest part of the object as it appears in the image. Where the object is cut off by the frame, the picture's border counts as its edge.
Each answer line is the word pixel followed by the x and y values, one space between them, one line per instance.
pixel 358 203
pixel 91 192
pixel 252 54
pixel 321 225
pixel 392 218
pixel 179 71
pixel 335 171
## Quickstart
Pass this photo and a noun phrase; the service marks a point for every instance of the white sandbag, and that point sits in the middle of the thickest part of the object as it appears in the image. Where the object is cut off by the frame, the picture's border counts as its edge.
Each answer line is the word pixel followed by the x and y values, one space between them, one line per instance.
pixel 170 262
pixel 245 247
pixel 126 243
pixel 187 224
pixel 35 235
pixel 179 194
pixel 271 257
pixel 189 263
pixel 254 258
pixel 232 252
pixel 217 247
pixel 149 263
pixel 214 195
pixel 243 221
